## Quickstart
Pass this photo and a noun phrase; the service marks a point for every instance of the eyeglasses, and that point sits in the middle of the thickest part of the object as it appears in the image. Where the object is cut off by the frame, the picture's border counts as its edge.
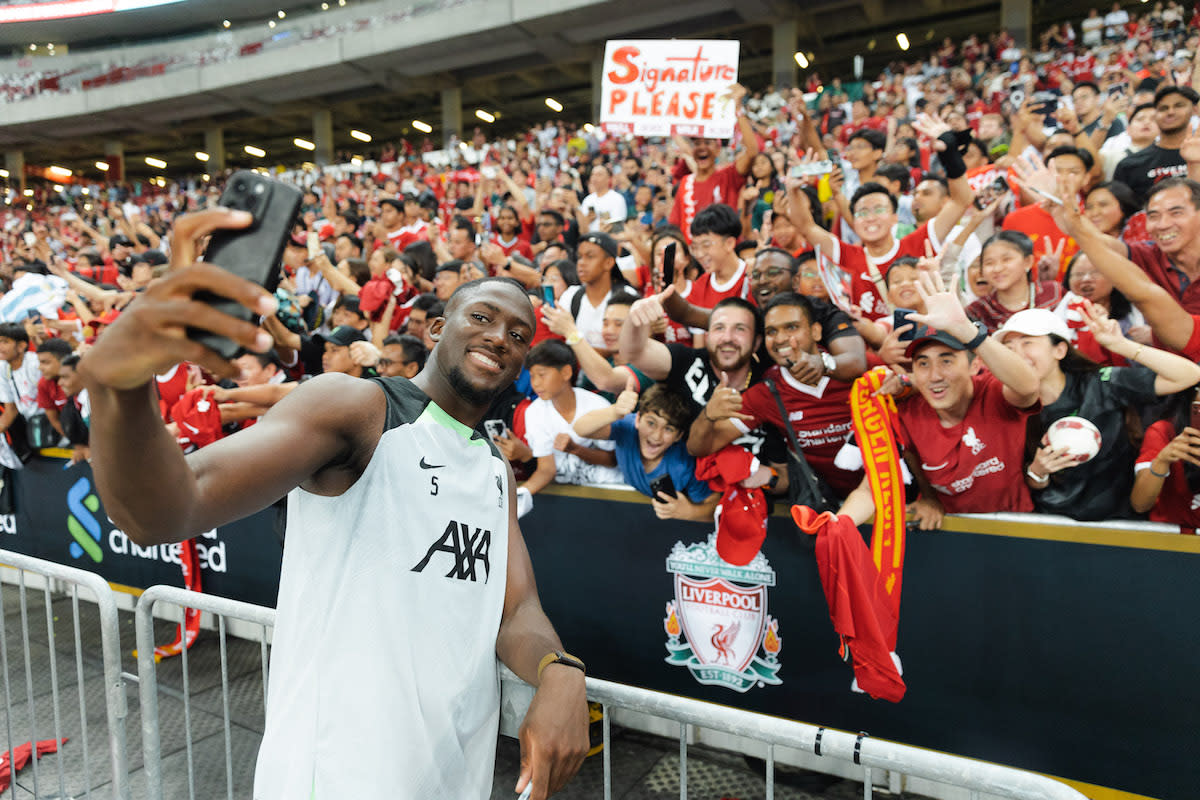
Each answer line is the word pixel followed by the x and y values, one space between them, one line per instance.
pixel 877 211
pixel 769 272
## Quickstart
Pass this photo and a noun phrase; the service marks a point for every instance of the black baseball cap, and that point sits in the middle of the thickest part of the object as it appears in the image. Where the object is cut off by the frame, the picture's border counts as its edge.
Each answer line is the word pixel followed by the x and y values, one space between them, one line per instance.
pixel 602 240
pixel 344 336
pixel 118 240
pixel 924 335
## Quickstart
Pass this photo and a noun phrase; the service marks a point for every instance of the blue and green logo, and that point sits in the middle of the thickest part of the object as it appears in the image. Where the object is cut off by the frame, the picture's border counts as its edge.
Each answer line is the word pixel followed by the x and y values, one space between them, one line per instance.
pixel 81 522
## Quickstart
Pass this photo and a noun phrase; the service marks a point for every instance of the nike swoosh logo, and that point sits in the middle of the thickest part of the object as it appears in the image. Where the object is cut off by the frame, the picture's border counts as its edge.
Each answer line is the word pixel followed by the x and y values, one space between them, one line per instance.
pixel 928 468
pixel 430 466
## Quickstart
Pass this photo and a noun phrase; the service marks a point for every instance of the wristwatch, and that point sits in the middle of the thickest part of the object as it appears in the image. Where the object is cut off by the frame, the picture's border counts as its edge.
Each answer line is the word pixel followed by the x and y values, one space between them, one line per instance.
pixel 829 361
pixel 560 657
pixel 575 338
pixel 980 337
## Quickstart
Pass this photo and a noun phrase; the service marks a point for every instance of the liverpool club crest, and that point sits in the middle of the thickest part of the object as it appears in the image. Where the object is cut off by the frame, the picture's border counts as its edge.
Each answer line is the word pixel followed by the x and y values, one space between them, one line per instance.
pixel 717 625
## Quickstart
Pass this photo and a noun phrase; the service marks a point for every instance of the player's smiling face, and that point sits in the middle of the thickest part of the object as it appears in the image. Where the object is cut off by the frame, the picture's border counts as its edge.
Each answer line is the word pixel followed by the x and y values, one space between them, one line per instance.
pixel 484 338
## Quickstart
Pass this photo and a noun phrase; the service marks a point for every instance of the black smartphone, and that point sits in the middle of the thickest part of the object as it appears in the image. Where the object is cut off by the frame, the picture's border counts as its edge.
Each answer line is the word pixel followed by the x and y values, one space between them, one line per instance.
pixel 254 252
pixel 548 294
pixel 664 485
pixel 669 264
pixel 1194 419
pixel 899 319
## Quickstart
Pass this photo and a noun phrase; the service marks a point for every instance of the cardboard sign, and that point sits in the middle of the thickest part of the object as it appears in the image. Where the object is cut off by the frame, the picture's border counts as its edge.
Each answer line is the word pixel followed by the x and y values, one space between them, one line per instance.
pixel 660 88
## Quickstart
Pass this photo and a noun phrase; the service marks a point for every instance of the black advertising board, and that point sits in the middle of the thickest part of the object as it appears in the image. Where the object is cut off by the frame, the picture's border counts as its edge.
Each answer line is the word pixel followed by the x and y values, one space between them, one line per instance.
pixel 1069 658
pixel 1063 649
pixel 59 517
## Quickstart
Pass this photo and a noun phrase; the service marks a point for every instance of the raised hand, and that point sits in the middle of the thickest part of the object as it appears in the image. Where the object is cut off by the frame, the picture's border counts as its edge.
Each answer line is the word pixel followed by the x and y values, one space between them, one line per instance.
pixel 558 320
pixel 1033 174
pixel 151 334
pixel 943 309
pixel 1105 329
pixel 645 312
pixel 931 127
pixel 628 399
pixel 1050 263
pixel 725 402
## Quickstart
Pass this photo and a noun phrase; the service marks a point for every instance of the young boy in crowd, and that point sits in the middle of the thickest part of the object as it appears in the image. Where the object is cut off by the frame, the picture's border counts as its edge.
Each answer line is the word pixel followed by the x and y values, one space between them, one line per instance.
pixel 649 448
pixel 50 396
pixel 562 454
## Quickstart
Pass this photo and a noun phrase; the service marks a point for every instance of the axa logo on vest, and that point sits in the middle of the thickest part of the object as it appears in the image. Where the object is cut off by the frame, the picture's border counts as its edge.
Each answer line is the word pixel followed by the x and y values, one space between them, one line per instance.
pixel 85 529
pixel 464 549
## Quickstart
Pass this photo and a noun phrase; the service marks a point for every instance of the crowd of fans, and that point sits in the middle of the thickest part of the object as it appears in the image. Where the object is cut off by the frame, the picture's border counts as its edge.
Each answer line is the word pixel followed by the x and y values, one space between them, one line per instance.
pixel 52 74
pixel 1014 235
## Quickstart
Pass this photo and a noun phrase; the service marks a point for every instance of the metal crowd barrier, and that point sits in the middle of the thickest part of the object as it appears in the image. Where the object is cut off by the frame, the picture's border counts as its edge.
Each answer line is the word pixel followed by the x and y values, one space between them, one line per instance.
pixel 863 750
pixel 224 609
pixel 966 773
pixel 57 579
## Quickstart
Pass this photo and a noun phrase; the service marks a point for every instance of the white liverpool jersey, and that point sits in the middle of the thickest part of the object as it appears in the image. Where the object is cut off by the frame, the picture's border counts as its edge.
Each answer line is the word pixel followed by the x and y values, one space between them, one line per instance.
pixel 383 679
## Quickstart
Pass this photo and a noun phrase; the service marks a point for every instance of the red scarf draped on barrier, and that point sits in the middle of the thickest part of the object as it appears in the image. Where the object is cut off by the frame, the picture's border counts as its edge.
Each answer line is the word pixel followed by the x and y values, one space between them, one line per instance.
pixel 862 587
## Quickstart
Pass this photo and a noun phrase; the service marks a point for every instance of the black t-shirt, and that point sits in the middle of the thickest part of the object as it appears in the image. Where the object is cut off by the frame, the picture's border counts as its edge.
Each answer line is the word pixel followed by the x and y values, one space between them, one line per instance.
pixel 1116 129
pixel 1098 489
pixel 835 323
pixel 692 377
pixel 1141 170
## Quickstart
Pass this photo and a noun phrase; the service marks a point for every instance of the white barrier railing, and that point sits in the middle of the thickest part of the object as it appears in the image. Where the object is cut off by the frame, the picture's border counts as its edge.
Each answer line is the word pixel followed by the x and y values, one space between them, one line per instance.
pixel 861 749
pixel 53 577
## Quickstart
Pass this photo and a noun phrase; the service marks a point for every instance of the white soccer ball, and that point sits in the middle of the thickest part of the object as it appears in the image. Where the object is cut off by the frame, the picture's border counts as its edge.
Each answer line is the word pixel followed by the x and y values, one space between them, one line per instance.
pixel 1079 436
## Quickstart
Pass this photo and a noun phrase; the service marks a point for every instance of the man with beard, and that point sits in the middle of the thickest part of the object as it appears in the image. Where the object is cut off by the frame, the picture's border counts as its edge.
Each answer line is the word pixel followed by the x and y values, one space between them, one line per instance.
pixel 704 184
pixel 818 407
pixel 394 501
pixel 775 271
pixel 1173 109
pixel 734 335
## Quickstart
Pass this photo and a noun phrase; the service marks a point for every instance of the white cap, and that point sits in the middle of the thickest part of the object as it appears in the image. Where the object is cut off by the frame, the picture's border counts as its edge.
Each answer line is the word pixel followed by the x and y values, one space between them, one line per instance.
pixel 1035 322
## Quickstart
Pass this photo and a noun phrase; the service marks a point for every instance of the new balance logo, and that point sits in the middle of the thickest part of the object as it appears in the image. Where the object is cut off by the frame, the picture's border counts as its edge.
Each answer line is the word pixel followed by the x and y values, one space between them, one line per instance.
pixel 467 548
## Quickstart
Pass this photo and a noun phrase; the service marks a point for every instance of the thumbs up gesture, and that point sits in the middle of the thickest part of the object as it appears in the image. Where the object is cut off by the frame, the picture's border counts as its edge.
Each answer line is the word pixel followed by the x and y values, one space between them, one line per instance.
pixel 726 402
pixel 628 399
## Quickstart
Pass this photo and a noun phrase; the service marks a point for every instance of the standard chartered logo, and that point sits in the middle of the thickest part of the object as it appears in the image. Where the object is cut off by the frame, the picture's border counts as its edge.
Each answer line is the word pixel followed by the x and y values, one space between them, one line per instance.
pixel 82 523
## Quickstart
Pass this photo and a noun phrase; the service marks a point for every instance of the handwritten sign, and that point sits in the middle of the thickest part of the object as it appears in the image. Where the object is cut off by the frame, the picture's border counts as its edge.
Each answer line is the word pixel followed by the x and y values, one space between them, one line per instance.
pixel 660 88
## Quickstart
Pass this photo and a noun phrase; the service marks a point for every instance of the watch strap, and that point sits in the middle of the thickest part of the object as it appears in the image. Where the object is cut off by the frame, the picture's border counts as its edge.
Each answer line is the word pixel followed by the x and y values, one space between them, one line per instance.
pixel 560 657
pixel 980 337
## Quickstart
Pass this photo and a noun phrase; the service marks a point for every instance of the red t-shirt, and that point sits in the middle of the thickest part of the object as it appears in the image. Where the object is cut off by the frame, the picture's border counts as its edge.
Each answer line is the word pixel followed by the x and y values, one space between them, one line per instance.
pixel 1157 266
pixel 977 465
pixel 819 415
pixel 171 386
pixel 692 195
pixel 403 237
pixel 1176 503
pixel 706 292
pixel 1036 223
pixel 517 245
pixel 50 395
pixel 854 260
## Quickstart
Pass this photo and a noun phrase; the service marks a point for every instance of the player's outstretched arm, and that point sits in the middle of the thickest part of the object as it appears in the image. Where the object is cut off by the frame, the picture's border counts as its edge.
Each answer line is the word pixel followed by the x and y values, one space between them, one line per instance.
pixel 148 487
pixel 554 735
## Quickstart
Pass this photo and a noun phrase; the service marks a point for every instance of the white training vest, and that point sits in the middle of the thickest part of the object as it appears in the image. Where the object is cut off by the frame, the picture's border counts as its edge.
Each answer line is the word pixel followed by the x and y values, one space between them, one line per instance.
pixel 383 679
